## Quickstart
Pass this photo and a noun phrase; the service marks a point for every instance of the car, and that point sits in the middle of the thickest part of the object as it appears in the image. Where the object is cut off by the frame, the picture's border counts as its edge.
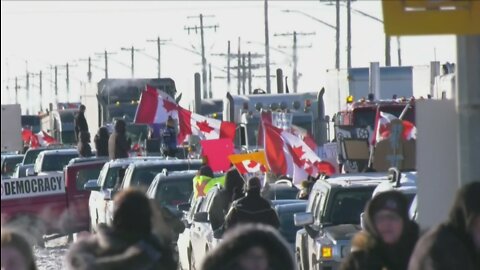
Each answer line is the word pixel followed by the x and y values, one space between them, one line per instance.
pixel 172 189
pixel 184 239
pixel 285 212
pixel 9 162
pixel 141 175
pixel 332 218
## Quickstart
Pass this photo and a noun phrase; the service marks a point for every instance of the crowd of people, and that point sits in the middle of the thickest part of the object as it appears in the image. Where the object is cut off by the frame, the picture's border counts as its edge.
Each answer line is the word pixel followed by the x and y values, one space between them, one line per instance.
pixel 142 234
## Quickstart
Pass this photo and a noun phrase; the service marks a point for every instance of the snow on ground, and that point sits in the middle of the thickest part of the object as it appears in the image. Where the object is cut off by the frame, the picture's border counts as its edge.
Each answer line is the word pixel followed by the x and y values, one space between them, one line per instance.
pixel 51 257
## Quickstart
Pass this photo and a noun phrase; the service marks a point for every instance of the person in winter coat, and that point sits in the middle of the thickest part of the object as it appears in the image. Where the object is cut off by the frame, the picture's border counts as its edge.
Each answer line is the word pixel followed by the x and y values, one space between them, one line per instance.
pixel 16 251
pixel 101 142
pixel 454 244
pixel 83 146
pixel 128 244
pixel 80 122
pixel 388 238
pixel 169 138
pixel 118 145
pixel 250 247
pixel 252 208
pixel 221 202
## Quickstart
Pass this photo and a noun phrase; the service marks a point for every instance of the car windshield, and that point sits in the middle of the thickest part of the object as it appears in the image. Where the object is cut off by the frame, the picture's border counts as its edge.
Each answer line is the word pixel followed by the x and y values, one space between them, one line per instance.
pixel 364 117
pixel 52 163
pixel 143 176
pixel 172 193
pixel 9 164
pixel 31 155
pixel 348 205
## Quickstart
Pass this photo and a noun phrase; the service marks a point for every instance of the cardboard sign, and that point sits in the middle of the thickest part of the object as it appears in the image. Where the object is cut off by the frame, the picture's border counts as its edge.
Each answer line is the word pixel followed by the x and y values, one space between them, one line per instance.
pixel 217 152
pixel 33 186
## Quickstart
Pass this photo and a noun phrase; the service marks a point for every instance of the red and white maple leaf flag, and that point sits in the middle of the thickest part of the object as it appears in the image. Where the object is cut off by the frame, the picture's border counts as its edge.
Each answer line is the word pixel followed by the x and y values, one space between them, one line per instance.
pixel 289 155
pixel 41 139
pixel 155 106
pixel 249 162
pixel 204 127
pixel 382 127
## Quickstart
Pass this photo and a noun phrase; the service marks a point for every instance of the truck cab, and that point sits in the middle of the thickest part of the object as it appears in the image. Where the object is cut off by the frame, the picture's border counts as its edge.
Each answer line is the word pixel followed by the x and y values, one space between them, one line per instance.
pixel 305 109
pixel 332 218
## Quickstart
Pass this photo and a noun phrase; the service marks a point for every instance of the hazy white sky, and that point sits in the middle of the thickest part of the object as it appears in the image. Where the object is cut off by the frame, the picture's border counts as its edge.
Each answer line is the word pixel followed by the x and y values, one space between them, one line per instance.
pixel 54 33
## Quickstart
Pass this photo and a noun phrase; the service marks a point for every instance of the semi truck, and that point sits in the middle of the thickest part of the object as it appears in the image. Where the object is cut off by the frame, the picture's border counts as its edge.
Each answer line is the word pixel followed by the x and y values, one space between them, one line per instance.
pixel 59 122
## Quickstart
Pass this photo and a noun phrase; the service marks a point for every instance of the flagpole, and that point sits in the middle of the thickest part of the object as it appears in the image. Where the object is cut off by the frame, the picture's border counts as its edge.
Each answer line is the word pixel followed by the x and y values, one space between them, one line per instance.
pixel 375 130
pixel 404 111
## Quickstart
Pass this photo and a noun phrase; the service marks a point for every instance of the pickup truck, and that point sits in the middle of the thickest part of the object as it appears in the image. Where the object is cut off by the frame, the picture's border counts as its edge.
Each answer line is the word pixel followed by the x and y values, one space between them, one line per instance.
pixel 49 203
pixel 332 218
pixel 30 157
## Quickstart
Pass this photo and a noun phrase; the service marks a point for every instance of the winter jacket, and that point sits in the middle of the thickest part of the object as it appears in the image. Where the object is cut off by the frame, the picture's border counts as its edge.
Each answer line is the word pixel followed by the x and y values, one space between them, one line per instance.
pixel 101 142
pixel 169 141
pixel 450 245
pixel 222 201
pixel 369 252
pixel 251 209
pixel 113 250
pixel 80 124
pixel 118 145
pixel 238 241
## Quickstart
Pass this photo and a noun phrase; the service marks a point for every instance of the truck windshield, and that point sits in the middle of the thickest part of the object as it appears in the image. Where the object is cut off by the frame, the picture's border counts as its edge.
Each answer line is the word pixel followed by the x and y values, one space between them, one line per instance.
pixel 172 193
pixel 143 176
pixel 137 133
pixel 303 121
pixel 31 155
pixel 347 206
pixel 363 117
pixel 123 110
pixel 53 163
pixel 31 121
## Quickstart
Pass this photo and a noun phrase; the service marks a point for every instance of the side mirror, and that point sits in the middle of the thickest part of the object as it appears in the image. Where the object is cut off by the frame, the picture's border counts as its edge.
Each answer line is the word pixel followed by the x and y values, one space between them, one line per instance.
pixel 303 219
pixel 107 195
pixel 92 185
pixel 183 207
pixel 30 172
pixel 201 217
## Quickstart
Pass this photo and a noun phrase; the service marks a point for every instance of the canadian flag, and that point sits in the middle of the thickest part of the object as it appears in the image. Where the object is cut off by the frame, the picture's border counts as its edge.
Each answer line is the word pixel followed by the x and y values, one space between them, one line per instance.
pixel 204 127
pixel 37 139
pixel 289 155
pixel 250 162
pixel 155 106
pixel 382 128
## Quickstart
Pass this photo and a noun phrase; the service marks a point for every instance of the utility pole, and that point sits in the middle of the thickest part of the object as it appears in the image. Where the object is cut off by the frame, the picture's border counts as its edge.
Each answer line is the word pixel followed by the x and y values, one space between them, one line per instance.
pixel 228 66
pixel 56 84
pixel 27 88
pixel 267 49
pixel 105 55
pixel 295 55
pixel 159 52
pixel 239 63
pixel 388 61
pixel 399 51
pixel 89 73
pixel 202 39
pixel 132 51
pixel 41 90
pixel 16 90
pixel 244 68
pixel 337 37
pixel 210 95
pixel 349 33
pixel 250 73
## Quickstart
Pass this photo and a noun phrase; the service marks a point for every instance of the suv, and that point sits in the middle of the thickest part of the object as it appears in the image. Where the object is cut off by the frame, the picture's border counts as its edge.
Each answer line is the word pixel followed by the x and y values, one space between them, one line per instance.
pixel 332 218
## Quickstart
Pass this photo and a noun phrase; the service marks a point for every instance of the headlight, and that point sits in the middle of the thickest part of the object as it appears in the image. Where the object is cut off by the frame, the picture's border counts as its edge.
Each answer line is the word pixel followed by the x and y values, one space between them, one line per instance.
pixel 326 252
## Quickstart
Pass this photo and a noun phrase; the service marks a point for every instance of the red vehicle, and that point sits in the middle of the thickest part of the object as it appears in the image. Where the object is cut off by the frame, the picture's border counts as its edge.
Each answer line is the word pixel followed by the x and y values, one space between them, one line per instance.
pixel 56 203
pixel 357 121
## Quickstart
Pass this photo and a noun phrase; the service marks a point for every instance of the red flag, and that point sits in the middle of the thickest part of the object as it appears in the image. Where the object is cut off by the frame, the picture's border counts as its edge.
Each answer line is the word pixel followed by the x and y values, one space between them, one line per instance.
pixel 217 152
pixel 382 127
